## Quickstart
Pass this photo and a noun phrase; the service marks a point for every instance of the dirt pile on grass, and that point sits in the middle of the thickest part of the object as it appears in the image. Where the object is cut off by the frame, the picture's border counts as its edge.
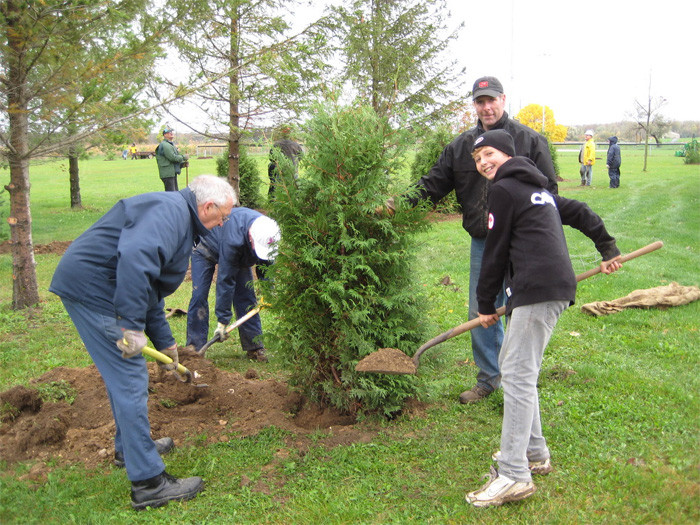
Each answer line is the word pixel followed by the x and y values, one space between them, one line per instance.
pixel 233 405
pixel 387 361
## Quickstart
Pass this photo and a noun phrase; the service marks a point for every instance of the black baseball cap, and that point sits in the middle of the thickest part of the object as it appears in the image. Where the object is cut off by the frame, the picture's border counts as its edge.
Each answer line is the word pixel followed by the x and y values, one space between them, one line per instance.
pixel 489 86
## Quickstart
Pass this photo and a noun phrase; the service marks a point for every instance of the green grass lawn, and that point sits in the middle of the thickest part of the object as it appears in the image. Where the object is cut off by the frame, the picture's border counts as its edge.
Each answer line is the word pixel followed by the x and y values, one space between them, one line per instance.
pixel 619 394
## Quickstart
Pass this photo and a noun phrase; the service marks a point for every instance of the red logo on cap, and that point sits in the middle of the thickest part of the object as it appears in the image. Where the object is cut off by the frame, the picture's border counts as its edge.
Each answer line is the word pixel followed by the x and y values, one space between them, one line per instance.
pixel 484 83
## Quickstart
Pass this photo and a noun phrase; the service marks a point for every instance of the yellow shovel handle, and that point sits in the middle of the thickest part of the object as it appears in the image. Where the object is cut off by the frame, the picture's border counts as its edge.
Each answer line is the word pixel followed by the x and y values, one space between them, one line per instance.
pixel 159 356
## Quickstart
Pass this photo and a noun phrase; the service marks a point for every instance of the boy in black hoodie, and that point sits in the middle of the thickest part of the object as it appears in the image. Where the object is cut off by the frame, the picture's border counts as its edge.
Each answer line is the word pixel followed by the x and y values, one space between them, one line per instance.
pixel 526 247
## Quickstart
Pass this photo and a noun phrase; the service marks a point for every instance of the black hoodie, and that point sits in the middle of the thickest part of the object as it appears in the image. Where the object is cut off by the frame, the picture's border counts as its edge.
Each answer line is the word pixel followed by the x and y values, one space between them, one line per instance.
pixel 525 244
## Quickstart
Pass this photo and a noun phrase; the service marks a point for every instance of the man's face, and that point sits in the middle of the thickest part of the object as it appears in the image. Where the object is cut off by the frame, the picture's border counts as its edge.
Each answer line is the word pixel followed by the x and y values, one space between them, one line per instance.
pixel 212 214
pixel 488 159
pixel 489 109
pixel 169 135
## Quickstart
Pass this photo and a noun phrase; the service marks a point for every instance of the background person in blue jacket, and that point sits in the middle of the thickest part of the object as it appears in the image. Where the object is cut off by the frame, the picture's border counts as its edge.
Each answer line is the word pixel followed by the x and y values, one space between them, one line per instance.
pixel 614 162
pixel 247 238
pixel 112 281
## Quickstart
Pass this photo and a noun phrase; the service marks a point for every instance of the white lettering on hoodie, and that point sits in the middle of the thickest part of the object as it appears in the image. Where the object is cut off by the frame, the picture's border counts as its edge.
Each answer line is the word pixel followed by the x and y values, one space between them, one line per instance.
pixel 542 199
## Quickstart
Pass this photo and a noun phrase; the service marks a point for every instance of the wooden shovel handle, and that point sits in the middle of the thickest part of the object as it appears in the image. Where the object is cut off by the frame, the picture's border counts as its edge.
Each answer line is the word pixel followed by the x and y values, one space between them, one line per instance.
pixel 632 255
pixel 469 325
pixel 202 351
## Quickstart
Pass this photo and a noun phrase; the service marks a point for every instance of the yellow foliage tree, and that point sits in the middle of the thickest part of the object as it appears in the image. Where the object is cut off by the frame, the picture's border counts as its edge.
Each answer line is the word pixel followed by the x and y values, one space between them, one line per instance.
pixel 531 116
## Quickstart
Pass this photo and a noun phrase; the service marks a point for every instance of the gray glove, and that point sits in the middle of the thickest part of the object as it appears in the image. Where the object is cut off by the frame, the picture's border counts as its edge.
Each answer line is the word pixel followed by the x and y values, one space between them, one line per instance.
pixel 132 343
pixel 221 332
pixel 171 352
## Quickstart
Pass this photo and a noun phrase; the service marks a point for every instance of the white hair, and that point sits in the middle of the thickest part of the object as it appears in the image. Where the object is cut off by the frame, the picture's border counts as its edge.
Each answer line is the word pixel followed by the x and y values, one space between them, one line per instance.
pixel 210 188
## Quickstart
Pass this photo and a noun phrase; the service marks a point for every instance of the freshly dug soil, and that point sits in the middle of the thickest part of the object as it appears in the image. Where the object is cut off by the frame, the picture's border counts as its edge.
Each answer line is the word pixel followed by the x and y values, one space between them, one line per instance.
pixel 232 406
pixel 387 361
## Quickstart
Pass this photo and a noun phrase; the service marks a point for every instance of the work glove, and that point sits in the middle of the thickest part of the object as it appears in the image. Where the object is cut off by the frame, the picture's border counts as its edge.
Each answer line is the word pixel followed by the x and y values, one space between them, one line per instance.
pixel 220 332
pixel 131 343
pixel 171 352
pixel 389 207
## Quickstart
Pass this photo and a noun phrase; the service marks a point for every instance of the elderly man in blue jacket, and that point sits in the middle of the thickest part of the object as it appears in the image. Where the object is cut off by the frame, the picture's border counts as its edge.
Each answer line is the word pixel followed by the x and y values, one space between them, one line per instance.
pixel 247 238
pixel 112 281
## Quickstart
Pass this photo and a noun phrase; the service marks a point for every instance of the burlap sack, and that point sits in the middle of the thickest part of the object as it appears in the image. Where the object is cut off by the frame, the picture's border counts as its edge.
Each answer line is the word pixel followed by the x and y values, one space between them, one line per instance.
pixel 673 294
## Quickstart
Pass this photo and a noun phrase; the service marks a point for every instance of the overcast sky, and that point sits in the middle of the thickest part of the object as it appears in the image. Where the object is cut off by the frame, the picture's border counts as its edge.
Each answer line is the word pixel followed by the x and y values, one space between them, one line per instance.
pixel 588 60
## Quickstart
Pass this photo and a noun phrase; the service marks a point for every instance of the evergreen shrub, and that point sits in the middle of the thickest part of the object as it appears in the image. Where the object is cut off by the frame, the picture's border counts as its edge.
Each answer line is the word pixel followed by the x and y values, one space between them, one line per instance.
pixel 249 176
pixel 692 152
pixel 555 156
pixel 427 154
pixel 342 286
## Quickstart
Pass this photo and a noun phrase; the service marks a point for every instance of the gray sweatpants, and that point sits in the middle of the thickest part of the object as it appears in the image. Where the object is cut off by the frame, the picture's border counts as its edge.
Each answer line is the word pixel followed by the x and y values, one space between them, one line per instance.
pixel 527 334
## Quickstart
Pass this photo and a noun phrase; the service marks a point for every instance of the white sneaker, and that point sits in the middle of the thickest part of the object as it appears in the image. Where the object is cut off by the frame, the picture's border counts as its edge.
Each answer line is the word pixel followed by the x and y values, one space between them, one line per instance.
pixel 536 467
pixel 499 490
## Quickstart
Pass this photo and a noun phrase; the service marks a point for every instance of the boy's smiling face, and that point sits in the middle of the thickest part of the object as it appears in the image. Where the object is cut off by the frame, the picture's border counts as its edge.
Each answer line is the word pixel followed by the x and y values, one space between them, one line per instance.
pixel 488 159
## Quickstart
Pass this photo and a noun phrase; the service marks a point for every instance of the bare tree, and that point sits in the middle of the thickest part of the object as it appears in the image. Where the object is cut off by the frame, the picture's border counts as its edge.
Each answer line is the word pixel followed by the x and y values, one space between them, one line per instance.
pixel 649 120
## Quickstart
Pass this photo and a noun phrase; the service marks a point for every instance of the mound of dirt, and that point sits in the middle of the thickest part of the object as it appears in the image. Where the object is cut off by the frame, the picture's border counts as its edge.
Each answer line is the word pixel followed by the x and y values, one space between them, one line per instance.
pixel 386 361
pixel 229 407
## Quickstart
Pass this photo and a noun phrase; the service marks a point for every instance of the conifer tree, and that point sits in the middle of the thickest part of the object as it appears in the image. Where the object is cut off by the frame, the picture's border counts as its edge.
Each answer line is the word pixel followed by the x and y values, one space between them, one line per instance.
pixel 342 285
pixel 395 56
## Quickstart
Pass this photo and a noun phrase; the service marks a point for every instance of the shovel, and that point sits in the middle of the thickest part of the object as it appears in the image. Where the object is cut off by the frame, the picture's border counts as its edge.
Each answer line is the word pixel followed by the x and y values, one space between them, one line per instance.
pixel 230 328
pixel 159 356
pixel 399 363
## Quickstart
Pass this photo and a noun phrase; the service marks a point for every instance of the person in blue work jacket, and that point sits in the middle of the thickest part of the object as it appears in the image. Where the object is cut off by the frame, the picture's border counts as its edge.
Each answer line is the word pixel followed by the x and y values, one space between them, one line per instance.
pixel 112 281
pixel 247 238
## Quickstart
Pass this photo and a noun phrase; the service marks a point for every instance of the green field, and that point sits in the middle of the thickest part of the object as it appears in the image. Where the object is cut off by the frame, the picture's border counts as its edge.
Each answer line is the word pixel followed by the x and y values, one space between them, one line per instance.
pixel 619 394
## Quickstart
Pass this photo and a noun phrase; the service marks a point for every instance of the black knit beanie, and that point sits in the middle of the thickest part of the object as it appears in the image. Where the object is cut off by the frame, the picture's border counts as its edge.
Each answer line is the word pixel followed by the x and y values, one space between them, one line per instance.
pixel 496 138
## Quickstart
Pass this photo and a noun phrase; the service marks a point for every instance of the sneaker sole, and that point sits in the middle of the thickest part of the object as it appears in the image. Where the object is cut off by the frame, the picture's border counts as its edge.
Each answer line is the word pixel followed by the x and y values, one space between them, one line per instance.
pixel 506 499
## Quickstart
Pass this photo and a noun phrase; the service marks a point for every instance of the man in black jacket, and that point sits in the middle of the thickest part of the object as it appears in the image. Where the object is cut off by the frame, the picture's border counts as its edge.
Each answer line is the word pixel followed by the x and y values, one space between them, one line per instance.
pixel 455 170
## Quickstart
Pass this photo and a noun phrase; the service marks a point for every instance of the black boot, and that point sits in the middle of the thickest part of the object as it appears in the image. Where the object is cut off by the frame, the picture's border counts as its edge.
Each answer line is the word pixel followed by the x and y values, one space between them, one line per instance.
pixel 163 446
pixel 159 490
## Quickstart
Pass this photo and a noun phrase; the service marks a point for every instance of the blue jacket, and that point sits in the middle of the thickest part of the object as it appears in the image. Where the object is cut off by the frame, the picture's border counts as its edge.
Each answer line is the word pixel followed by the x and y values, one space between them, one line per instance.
pixel 230 247
pixel 614 158
pixel 133 257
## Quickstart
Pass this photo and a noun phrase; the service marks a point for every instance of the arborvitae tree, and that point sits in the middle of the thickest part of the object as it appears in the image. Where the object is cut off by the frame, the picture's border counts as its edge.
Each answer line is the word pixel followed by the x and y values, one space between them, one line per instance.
pixel 428 152
pixel 250 177
pixel 342 285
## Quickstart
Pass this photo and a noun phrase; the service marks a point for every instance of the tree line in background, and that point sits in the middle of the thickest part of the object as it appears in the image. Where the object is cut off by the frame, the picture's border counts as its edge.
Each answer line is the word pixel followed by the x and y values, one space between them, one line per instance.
pixel 77 75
